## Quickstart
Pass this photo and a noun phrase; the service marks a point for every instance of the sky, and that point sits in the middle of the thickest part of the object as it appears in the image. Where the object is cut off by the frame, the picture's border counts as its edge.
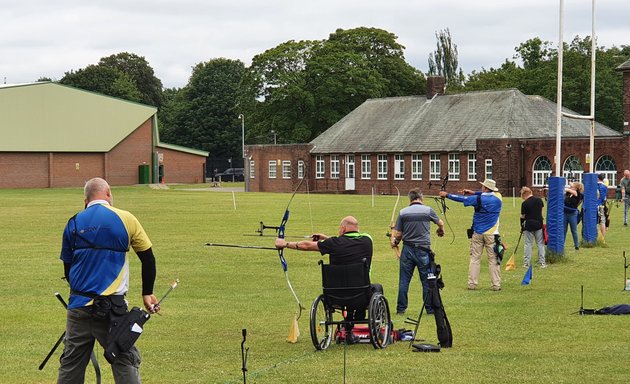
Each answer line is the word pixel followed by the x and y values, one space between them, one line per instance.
pixel 46 38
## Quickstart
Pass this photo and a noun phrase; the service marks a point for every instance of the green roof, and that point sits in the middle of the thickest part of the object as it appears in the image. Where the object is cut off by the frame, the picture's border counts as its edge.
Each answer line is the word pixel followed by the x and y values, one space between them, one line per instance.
pixel 50 117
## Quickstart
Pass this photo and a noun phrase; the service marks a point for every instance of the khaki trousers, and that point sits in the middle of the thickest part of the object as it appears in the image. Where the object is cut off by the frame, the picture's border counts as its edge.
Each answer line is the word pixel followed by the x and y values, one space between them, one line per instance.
pixel 477 244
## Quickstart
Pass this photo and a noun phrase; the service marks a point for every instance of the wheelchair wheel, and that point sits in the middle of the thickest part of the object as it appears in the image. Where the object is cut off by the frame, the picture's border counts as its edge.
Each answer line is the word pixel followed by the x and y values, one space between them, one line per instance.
pixel 379 321
pixel 321 329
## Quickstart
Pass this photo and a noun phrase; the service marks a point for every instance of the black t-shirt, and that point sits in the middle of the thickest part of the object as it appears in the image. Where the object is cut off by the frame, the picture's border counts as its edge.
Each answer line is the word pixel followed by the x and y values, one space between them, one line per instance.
pixel 350 248
pixel 532 209
pixel 573 201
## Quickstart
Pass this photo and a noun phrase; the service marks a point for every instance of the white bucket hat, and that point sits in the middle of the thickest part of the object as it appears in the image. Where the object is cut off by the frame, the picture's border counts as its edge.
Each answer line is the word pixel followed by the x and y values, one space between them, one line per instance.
pixel 490 184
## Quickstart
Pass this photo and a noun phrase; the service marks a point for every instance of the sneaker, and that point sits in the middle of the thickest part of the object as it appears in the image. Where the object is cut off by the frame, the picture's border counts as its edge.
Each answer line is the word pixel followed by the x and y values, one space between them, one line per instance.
pixel 401 313
pixel 472 287
pixel 543 265
pixel 495 288
pixel 526 265
pixel 625 224
pixel 577 248
pixel 352 338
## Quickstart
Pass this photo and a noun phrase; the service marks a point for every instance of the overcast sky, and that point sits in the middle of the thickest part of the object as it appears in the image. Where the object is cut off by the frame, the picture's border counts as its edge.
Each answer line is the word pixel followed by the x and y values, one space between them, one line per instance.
pixel 45 38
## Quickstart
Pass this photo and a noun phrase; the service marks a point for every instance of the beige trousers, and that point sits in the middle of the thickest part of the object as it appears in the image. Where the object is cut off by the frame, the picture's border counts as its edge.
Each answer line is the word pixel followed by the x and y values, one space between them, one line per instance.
pixel 477 244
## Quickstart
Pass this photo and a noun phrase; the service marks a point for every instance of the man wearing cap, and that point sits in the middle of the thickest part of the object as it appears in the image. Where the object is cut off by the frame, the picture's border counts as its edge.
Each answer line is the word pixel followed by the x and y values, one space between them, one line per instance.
pixel 487 204
pixel 602 211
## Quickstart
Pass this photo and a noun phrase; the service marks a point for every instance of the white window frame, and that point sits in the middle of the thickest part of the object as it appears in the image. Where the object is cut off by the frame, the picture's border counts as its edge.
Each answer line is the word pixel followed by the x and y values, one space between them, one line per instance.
pixel 300 169
pixel 606 164
pixel 541 175
pixel 416 166
pixel 399 167
pixel 334 166
pixel 320 167
pixel 252 169
pixel 472 167
pixel 366 167
pixel 572 174
pixel 488 169
pixel 381 167
pixel 453 166
pixel 272 169
pixel 350 167
pixel 434 167
pixel 286 169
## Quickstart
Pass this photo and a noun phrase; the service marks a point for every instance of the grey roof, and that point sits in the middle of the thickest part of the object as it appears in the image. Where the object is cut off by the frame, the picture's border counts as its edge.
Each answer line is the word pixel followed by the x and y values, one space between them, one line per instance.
pixel 448 123
pixel 624 67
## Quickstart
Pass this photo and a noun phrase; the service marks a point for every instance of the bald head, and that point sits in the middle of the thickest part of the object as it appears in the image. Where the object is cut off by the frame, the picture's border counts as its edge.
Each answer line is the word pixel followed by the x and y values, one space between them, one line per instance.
pixel 97 189
pixel 348 224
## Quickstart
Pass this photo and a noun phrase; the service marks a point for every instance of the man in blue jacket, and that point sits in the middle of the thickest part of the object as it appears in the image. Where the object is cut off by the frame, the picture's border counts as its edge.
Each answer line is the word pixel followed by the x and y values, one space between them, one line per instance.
pixel 487 204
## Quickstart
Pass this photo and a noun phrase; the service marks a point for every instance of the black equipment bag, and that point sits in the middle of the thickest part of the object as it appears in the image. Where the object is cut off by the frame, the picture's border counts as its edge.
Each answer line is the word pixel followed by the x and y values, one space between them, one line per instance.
pixel 124 331
pixel 444 333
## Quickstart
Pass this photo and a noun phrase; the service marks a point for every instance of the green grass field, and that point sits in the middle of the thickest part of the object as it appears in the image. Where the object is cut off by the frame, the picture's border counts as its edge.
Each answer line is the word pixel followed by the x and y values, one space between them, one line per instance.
pixel 519 335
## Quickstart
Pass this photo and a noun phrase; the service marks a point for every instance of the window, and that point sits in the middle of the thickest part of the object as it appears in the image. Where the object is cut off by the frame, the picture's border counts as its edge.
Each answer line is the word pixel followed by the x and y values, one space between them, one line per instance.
pixel 334 166
pixel 382 167
pixel 607 166
pixel 272 169
pixel 366 167
pixel 320 167
pixel 488 170
pixel 434 166
pixel 416 167
pixel 572 169
pixel 453 166
pixel 542 171
pixel 399 167
pixel 349 166
pixel 472 166
pixel 252 168
pixel 286 169
pixel 300 169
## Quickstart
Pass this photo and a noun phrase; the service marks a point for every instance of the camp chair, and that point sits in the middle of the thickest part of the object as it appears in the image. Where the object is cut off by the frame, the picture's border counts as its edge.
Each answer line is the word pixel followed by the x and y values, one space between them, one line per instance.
pixel 347 288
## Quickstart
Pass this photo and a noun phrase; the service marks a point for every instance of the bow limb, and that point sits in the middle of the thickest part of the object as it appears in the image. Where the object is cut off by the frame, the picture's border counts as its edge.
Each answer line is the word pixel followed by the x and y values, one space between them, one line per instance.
pixel 283 261
pixel 392 225
pixel 444 208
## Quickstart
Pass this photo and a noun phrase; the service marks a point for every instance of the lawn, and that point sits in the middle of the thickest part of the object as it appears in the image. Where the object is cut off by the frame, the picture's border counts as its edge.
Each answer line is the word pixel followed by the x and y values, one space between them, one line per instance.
pixel 520 334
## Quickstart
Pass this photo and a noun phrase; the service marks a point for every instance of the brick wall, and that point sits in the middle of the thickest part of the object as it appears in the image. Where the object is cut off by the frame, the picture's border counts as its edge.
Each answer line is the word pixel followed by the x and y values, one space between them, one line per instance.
pixel 263 154
pixel 125 158
pixel 182 167
pixel 19 170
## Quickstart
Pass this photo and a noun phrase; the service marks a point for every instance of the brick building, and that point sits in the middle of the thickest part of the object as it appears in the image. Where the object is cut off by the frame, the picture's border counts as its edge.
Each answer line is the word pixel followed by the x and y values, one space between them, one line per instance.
pixel 58 136
pixel 417 141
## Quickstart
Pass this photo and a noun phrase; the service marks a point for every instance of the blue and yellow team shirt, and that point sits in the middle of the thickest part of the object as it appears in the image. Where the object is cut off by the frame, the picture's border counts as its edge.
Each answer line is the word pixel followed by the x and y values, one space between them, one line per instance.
pixel 486 217
pixel 95 243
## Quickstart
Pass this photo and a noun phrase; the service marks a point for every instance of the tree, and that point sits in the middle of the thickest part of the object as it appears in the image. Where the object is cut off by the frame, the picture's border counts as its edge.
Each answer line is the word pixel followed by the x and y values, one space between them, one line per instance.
pixel 108 81
pixel 139 70
pixel 202 115
pixel 444 60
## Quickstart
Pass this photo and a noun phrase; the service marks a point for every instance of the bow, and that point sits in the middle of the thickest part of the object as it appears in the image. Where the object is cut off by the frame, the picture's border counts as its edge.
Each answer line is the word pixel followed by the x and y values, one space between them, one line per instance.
pixel 392 224
pixel 283 261
pixel 441 204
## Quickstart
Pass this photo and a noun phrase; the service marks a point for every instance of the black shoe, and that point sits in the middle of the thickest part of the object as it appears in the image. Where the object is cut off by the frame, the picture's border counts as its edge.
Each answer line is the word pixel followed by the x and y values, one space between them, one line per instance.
pixel 577 248
pixel 625 224
pixel 429 311
pixel 351 338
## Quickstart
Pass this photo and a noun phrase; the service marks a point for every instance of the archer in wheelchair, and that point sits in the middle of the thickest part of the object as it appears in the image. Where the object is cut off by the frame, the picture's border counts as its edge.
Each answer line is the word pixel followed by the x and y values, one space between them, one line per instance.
pixel 347 289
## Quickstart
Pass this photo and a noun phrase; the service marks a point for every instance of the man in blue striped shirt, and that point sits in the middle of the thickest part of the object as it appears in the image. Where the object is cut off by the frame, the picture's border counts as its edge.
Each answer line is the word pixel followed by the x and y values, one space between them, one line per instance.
pixel 413 227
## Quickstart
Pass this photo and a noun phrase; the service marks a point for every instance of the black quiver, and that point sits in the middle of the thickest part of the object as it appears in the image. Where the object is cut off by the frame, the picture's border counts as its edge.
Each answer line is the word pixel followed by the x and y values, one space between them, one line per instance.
pixel 124 331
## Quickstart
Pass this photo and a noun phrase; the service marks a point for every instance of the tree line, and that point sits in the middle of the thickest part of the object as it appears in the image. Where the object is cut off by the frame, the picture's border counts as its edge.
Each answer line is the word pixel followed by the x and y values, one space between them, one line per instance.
pixel 298 89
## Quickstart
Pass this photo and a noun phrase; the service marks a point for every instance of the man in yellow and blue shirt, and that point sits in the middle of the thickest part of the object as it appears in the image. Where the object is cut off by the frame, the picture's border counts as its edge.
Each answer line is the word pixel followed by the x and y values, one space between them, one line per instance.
pixel 96 264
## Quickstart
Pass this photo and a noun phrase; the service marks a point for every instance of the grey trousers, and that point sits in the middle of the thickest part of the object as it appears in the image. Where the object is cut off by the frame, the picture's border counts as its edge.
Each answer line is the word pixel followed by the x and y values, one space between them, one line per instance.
pixel 81 332
pixel 530 237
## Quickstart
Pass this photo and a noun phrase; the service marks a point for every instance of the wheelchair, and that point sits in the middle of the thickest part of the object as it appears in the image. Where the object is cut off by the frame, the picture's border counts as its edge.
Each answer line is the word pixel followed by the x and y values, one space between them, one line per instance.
pixel 347 288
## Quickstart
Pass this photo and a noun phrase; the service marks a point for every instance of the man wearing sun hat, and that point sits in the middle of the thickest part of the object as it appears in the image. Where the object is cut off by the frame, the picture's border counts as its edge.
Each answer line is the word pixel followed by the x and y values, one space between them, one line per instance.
pixel 487 204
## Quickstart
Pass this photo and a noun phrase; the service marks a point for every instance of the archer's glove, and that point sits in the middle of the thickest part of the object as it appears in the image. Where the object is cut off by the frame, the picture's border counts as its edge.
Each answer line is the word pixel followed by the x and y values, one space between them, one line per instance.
pixel 440 232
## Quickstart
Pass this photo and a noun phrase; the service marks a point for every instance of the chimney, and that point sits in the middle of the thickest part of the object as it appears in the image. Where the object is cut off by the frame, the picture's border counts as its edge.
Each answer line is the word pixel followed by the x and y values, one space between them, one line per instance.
pixel 625 69
pixel 435 85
